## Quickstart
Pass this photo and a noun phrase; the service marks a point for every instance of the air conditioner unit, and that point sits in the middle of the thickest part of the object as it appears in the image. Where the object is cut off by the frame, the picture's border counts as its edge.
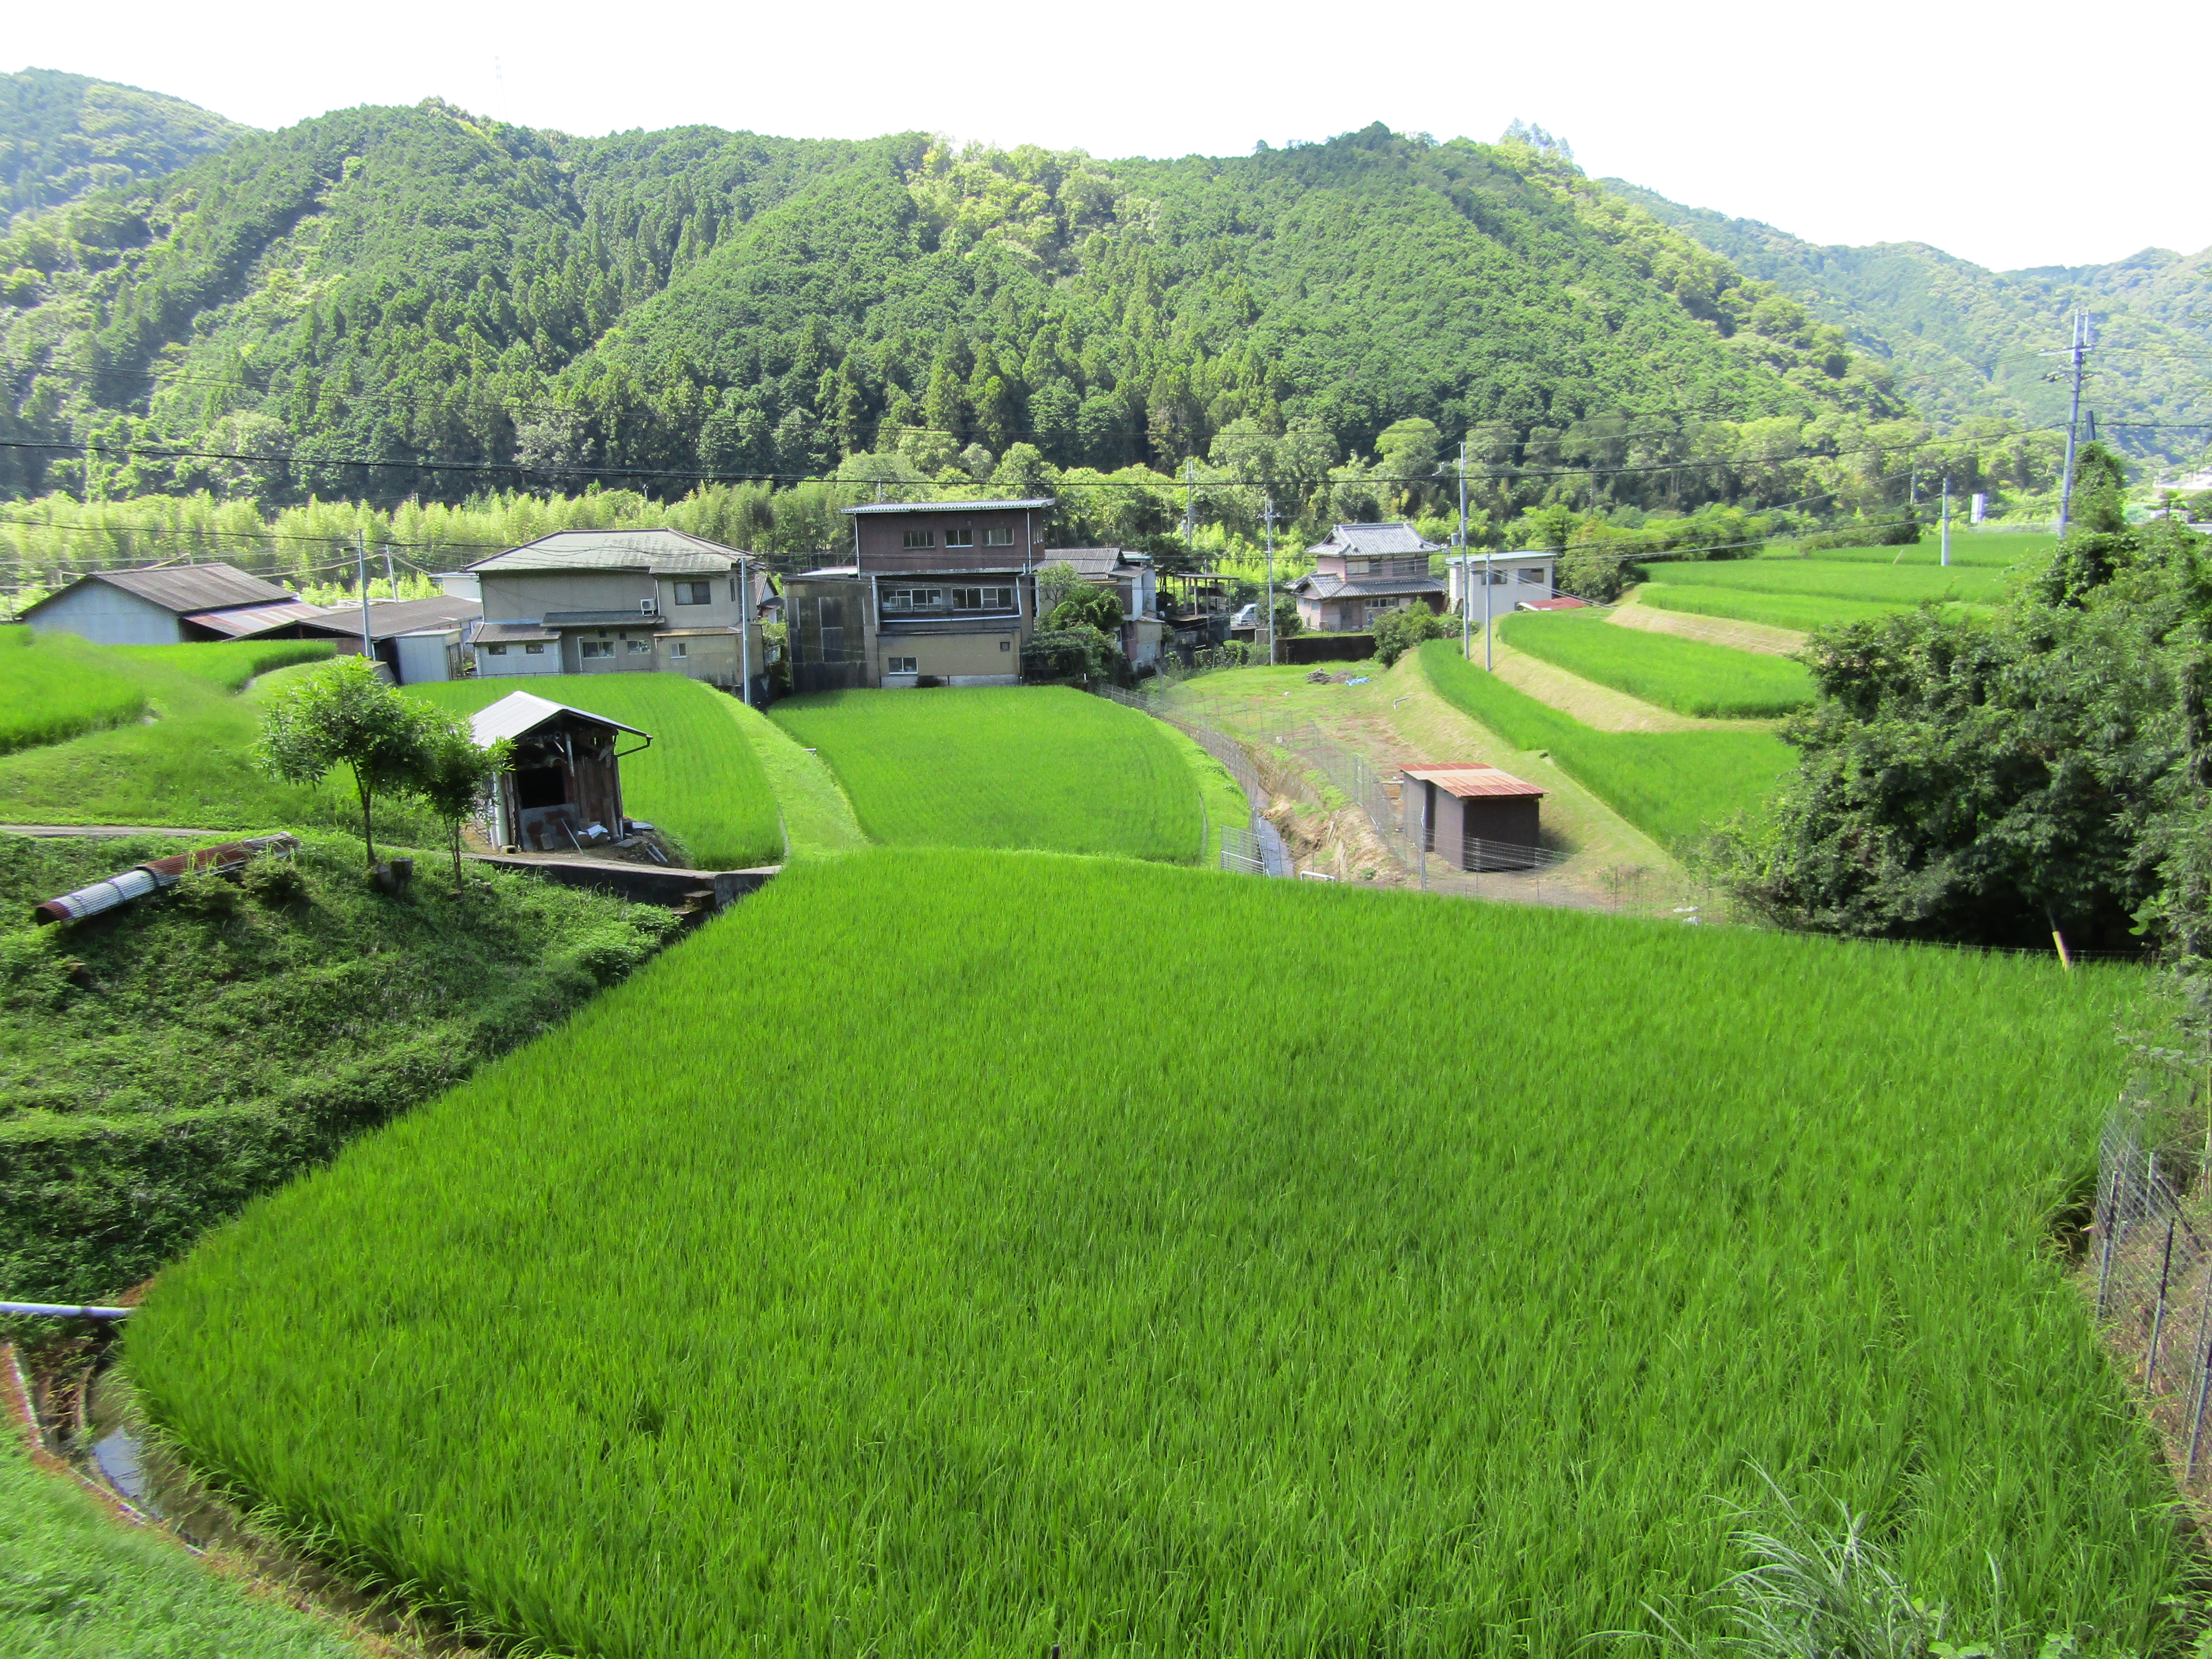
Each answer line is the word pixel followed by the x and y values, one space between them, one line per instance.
pixel 651 607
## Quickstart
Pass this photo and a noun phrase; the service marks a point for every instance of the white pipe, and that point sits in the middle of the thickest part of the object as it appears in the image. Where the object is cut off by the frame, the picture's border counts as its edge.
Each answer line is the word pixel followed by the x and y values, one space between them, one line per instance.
pixel 56 1310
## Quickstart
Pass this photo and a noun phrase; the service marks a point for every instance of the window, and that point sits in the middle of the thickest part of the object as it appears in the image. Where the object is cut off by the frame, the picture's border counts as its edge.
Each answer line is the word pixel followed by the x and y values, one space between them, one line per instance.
pixel 1001 537
pixel 902 666
pixel 694 593
pixel 639 648
pixel 959 536
pixel 1357 567
pixel 982 598
pixel 1005 645
pixel 913 598
pixel 598 647
pixel 679 650
pixel 919 538
pixel 1530 573
pixel 496 650
pixel 530 650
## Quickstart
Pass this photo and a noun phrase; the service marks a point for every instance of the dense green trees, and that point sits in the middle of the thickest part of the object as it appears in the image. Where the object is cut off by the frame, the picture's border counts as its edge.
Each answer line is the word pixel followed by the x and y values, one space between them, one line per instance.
pixel 62 136
pixel 347 307
pixel 1984 780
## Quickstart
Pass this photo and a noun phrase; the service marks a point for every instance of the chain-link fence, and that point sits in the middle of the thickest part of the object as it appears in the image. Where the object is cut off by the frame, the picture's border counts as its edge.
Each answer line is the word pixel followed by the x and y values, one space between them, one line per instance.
pixel 1255 848
pixel 2152 1261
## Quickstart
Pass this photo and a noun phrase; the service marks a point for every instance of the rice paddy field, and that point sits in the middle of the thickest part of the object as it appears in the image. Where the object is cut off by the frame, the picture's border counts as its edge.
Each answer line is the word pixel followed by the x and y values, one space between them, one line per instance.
pixel 230 664
pixel 1674 786
pixel 54 687
pixel 938 1315
pixel 1842 578
pixel 1802 612
pixel 1041 767
pixel 701 780
pixel 1689 677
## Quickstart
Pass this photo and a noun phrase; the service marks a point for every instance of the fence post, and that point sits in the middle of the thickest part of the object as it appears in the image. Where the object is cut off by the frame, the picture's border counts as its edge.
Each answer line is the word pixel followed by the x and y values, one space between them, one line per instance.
pixel 2158 1319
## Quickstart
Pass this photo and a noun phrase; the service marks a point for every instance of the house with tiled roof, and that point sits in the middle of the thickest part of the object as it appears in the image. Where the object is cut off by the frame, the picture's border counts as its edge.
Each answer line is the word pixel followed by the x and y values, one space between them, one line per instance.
pixel 1361 572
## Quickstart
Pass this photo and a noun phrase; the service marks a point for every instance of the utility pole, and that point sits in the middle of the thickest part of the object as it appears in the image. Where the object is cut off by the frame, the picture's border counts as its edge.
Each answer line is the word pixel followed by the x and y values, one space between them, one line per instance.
pixel 361 587
pixel 1269 515
pixel 1465 605
pixel 745 626
pixel 1190 509
pixel 391 581
pixel 2073 419
pixel 1485 612
pixel 1947 521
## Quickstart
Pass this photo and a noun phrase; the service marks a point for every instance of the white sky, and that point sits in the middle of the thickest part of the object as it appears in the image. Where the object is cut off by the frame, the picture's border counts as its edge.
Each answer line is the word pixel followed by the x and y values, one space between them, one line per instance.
pixel 2015 136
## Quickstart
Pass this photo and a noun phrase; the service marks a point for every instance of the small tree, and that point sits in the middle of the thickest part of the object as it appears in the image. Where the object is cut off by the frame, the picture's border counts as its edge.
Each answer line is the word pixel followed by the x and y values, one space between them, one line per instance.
pixel 1088 606
pixel 1054 582
pixel 1397 632
pixel 452 774
pixel 343 715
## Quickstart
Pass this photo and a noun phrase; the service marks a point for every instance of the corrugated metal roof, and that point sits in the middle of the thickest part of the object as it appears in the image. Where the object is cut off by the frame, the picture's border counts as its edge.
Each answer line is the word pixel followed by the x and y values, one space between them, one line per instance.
pixel 252 619
pixel 514 633
pixel 388 618
pixel 661 552
pixel 1466 781
pixel 1563 603
pixel 1028 504
pixel 1094 561
pixel 184 588
pixel 518 713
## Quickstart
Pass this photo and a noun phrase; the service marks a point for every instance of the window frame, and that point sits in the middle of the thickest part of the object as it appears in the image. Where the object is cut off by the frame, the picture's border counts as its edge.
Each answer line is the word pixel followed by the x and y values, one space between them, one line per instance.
pixel 689 593
pixel 892 664
pixel 960 535
pixel 917 538
pixel 998 535
pixel 495 650
pixel 537 650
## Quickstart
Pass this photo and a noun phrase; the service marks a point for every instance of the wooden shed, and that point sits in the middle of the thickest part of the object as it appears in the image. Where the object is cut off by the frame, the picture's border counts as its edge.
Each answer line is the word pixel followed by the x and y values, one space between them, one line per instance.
pixel 1476 818
pixel 564 791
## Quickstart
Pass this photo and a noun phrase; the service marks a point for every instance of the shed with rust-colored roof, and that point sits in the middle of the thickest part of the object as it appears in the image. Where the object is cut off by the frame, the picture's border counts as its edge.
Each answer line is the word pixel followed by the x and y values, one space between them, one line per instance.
pixel 1476 817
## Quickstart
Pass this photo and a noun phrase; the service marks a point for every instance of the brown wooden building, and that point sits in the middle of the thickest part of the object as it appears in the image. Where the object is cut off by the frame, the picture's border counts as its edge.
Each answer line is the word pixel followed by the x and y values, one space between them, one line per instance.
pixel 566 778
pixel 1475 817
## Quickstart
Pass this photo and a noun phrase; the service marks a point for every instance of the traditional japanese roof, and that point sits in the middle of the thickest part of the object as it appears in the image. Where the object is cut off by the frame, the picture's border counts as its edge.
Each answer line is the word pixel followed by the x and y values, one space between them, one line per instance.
pixel 246 621
pixel 1367 540
pixel 1034 503
pixel 1321 586
pixel 1471 780
pixel 183 588
pixel 518 713
pixel 657 552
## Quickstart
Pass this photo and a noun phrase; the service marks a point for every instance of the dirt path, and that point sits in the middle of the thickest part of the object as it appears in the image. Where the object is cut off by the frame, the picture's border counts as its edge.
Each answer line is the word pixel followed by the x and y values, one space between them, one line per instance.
pixel 1712 630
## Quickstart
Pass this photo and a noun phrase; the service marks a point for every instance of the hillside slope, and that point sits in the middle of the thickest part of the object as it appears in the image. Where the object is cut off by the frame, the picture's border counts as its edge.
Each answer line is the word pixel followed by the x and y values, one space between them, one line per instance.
pixel 415 285
pixel 65 135
pixel 1963 340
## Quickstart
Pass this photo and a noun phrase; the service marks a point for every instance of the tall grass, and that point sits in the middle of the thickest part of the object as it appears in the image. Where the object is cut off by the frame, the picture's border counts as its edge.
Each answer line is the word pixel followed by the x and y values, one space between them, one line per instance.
pixel 868 1275
pixel 1687 676
pixel 1037 767
pixel 55 686
pixel 699 779
pixel 1674 786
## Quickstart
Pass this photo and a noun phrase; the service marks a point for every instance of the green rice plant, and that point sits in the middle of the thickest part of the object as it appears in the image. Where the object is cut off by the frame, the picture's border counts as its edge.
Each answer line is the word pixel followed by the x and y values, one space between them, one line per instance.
pixel 1042 767
pixel 231 663
pixel 55 686
pixel 1687 676
pixel 817 819
pixel 2003 549
pixel 699 779
pixel 1843 579
pixel 1674 786
pixel 1802 613
pixel 958 1252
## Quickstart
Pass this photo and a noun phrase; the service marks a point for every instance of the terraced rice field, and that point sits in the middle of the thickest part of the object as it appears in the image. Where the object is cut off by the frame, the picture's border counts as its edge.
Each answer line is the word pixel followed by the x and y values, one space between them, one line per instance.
pixel 1841 579
pixel 699 779
pixel 1802 612
pixel 918 1302
pixel 1709 681
pixel 54 687
pixel 1030 766
pixel 1674 786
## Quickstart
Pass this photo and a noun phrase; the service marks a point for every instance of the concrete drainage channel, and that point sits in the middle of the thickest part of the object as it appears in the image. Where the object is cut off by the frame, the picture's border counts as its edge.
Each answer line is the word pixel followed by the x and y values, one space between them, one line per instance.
pixel 695 893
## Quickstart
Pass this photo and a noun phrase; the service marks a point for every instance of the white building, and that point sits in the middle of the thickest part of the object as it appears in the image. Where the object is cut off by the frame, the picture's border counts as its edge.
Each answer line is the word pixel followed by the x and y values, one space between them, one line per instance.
pixel 1515 578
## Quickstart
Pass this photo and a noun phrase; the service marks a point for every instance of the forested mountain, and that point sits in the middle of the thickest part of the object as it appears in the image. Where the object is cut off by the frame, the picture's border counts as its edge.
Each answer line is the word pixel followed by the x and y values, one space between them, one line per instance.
pixel 66 135
pixel 423 290
pixel 1965 341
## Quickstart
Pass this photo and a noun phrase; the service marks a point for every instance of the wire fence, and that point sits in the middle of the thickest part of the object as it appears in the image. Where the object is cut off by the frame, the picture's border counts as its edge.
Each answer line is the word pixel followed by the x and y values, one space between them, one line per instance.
pixel 2152 1256
pixel 1256 848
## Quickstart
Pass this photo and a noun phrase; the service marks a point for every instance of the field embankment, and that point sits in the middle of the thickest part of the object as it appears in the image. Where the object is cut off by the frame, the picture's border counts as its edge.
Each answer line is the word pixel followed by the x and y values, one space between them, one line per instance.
pixel 164 1063
pixel 699 779
pixel 978 1323
pixel 1674 786
pixel 1038 767
pixel 1710 681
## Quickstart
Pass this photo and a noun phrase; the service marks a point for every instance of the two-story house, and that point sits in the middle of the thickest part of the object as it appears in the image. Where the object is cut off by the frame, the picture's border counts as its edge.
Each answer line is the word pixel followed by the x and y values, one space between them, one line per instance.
pixel 1364 571
pixel 1527 577
pixel 937 590
pixel 620 601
